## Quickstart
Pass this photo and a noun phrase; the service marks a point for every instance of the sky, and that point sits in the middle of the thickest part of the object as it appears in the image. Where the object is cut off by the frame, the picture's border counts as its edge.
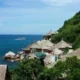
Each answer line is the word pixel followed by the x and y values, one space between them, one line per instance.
pixel 35 16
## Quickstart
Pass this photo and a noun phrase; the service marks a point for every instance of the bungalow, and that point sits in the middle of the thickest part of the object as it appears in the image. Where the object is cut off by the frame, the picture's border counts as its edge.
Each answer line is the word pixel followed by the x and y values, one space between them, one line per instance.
pixel 62 45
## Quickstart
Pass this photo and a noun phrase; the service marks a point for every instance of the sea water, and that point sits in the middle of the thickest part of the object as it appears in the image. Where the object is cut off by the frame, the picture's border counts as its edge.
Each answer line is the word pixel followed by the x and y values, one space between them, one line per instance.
pixel 10 43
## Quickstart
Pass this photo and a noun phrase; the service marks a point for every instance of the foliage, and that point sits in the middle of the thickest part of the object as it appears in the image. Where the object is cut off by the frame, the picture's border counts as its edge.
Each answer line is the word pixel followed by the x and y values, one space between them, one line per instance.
pixel 70 31
pixel 76 44
pixel 27 70
pixel 63 70
pixel 66 50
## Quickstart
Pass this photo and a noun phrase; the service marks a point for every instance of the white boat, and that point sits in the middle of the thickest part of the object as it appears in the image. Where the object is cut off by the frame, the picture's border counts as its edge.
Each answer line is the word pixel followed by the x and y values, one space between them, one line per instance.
pixel 22 38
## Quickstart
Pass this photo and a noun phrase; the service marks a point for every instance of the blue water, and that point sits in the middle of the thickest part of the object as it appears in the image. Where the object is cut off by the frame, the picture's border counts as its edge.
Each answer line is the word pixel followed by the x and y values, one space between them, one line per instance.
pixel 8 43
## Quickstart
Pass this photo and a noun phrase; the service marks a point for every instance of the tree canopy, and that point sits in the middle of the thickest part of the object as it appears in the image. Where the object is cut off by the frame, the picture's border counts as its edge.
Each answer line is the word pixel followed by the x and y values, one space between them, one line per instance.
pixel 70 31
pixel 33 70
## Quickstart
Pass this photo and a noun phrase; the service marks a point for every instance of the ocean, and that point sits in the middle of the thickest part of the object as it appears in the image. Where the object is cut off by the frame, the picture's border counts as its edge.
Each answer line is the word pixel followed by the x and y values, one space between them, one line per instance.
pixel 9 43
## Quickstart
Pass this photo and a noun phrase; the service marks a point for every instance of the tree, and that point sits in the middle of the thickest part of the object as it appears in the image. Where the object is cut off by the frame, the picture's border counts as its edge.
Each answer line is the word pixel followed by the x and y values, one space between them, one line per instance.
pixel 33 70
pixel 27 70
pixel 70 31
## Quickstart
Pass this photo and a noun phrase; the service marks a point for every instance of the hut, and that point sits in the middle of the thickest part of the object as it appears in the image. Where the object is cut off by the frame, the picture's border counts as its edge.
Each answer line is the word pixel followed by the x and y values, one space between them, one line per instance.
pixel 39 46
pixel 50 60
pixel 31 48
pixel 27 49
pixel 49 35
pixel 4 73
pixel 45 45
pixel 74 53
pixel 62 45
pixel 9 55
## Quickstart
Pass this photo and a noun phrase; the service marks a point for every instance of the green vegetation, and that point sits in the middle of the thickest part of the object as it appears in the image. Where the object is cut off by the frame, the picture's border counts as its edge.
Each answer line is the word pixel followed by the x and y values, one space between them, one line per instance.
pixel 70 31
pixel 33 70
pixel 65 50
pixel 27 70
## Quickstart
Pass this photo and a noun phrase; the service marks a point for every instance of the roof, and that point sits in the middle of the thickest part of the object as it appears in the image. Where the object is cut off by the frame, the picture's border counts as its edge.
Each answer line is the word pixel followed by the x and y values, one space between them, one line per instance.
pixel 74 53
pixel 3 71
pixel 62 44
pixel 28 47
pixel 57 51
pixel 33 45
pixel 49 33
pixel 10 53
pixel 45 44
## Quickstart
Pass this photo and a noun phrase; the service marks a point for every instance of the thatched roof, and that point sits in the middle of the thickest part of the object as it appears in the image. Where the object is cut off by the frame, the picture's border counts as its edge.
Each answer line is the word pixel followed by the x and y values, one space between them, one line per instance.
pixel 57 51
pixel 33 45
pixel 29 46
pixel 3 71
pixel 74 53
pixel 62 44
pixel 49 61
pixel 45 44
pixel 49 33
pixel 10 53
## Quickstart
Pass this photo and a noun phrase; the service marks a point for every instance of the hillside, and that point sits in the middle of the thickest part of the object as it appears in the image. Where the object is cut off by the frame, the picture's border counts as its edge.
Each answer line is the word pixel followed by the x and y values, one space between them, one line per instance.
pixel 70 31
